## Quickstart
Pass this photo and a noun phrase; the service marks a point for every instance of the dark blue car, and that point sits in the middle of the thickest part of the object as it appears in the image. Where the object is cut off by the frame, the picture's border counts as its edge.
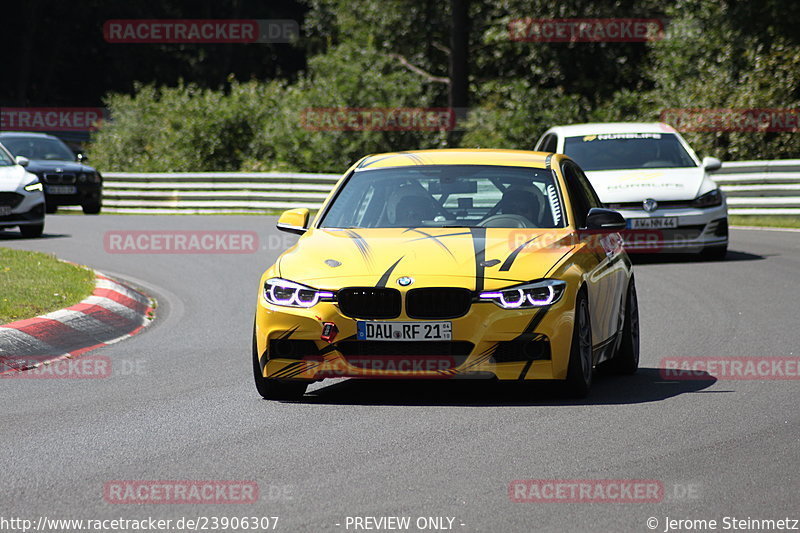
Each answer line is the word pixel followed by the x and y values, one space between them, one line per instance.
pixel 67 180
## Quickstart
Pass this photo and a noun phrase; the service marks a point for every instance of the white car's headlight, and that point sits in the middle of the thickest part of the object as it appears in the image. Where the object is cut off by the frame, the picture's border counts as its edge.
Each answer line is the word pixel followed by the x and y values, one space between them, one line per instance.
pixel 290 294
pixel 709 199
pixel 535 294
pixel 34 186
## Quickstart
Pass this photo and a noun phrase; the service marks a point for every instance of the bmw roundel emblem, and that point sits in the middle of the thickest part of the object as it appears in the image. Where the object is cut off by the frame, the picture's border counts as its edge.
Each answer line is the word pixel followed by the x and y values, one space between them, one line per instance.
pixel 650 205
pixel 405 281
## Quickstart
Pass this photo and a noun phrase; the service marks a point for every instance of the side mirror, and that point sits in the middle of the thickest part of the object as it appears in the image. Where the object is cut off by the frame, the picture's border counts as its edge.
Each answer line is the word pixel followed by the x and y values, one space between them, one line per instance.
pixel 22 161
pixel 711 163
pixel 81 157
pixel 605 219
pixel 294 221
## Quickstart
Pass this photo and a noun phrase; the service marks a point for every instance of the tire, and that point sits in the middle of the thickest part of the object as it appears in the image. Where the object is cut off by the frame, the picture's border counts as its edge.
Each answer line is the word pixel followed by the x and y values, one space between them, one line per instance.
pixel 33 231
pixel 714 253
pixel 92 208
pixel 50 208
pixel 626 360
pixel 580 368
pixel 273 389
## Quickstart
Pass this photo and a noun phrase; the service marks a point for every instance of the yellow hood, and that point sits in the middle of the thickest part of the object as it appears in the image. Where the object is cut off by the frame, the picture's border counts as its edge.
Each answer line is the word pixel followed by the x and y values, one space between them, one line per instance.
pixel 473 258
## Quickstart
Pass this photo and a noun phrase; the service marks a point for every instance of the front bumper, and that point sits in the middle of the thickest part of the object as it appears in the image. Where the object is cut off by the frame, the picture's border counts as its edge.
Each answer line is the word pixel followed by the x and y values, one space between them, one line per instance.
pixel 487 342
pixel 697 229
pixel 29 211
pixel 85 193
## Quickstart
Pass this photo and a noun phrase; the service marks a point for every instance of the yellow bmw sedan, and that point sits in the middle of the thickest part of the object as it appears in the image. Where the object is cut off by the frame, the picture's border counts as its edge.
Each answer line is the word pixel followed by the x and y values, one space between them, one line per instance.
pixel 449 264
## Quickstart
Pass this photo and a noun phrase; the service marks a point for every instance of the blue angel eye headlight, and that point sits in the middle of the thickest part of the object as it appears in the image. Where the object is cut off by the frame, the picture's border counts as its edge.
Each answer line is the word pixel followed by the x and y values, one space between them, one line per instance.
pixel 287 293
pixel 535 294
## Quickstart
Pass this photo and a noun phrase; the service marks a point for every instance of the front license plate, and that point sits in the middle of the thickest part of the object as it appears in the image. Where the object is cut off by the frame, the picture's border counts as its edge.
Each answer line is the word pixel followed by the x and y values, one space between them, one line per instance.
pixel 62 189
pixel 5 210
pixel 653 223
pixel 404 331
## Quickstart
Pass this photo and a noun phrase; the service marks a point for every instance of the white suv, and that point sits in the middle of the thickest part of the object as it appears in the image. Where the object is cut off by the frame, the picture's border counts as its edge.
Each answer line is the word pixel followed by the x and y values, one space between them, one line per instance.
pixel 650 174
pixel 21 197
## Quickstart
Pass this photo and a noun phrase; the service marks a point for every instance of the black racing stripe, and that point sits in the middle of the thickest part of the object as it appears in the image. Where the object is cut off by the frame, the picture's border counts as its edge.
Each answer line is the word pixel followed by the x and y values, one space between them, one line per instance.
pixel 385 278
pixel 435 239
pixel 359 241
pixel 479 244
pixel 288 333
pixel 513 255
pixel 304 368
pixel 525 370
pixel 288 368
pixel 332 347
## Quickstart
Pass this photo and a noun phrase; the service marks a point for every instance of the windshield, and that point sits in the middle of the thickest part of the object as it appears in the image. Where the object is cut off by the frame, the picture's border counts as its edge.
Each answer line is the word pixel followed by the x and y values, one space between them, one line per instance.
pixel 38 148
pixel 5 160
pixel 618 151
pixel 447 195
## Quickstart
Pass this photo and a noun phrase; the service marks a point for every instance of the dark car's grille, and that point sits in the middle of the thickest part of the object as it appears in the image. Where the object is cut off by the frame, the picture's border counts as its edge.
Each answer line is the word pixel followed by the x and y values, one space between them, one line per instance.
pixel 411 348
pixel 59 179
pixel 369 302
pixel 436 302
pixel 10 199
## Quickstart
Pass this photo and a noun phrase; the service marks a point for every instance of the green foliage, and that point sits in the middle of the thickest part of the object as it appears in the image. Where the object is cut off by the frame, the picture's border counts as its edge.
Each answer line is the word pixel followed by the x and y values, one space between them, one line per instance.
pixel 717 54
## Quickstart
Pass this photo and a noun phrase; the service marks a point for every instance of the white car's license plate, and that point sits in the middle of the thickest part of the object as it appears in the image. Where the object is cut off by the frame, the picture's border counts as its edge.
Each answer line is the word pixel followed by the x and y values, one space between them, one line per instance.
pixel 5 210
pixel 653 223
pixel 62 189
pixel 404 331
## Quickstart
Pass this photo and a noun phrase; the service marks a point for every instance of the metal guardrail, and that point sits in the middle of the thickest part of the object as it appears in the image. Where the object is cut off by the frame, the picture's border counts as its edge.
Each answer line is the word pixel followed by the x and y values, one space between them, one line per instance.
pixel 752 187
pixel 761 187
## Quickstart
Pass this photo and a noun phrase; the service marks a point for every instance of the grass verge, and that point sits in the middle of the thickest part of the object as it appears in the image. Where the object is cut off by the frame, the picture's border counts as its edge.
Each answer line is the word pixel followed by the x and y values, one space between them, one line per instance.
pixel 33 283
pixel 773 221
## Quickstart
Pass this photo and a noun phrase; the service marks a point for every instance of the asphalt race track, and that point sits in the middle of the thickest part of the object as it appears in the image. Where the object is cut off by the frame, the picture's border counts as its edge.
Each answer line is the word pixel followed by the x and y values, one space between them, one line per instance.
pixel 183 407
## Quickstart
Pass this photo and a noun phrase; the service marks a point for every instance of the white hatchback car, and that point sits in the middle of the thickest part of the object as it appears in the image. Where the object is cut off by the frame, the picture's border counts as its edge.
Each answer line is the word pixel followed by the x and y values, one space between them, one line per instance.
pixel 650 174
pixel 21 197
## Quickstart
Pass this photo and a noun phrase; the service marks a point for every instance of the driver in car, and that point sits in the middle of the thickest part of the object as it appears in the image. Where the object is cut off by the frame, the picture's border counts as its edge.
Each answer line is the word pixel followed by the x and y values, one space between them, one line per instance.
pixel 527 202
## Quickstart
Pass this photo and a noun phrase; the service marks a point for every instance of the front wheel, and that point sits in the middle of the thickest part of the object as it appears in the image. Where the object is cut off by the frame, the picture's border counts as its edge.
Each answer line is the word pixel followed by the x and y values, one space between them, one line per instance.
pixel 32 231
pixel 581 364
pixel 626 360
pixel 92 208
pixel 273 389
pixel 714 253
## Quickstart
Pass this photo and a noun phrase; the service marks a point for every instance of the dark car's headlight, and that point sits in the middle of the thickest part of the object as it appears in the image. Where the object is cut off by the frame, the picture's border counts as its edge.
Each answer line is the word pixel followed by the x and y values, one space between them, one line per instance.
pixel 535 294
pixel 290 294
pixel 709 199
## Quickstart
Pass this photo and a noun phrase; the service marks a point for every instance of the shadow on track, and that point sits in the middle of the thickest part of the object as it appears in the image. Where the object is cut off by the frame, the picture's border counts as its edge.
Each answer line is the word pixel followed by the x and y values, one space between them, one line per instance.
pixel 17 236
pixel 647 385
pixel 733 256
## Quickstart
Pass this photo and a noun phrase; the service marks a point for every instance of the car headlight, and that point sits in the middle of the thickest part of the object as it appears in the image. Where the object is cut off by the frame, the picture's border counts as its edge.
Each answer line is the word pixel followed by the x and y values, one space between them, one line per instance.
pixel 535 294
pixel 82 177
pixel 290 294
pixel 34 186
pixel 709 199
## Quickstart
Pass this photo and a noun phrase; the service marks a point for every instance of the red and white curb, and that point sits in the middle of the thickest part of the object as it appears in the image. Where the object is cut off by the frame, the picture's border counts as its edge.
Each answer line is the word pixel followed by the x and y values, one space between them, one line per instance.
pixel 112 313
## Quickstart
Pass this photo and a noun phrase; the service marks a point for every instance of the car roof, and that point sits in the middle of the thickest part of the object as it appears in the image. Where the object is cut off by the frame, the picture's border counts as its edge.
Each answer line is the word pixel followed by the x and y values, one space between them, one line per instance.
pixel 26 134
pixel 496 157
pixel 575 130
